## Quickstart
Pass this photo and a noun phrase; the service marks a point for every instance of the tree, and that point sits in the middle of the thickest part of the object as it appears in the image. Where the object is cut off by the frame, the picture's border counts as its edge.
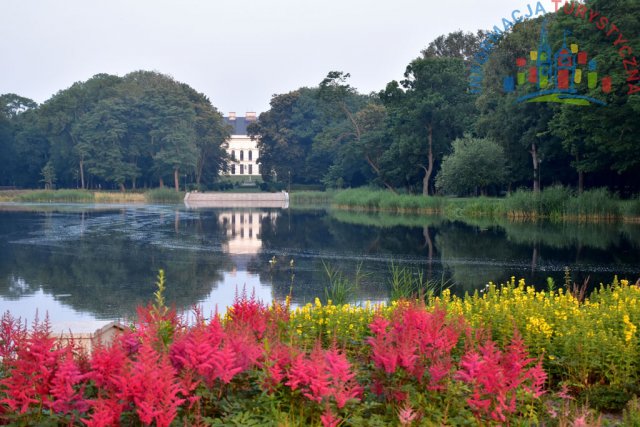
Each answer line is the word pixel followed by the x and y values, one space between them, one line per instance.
pixel 12 106
pixel 430 108
pixel 455 45
pixel 520 128
pixel 475 164
pixel 49 176
pixel 211 133
pixel 362 125
pixel 59 115
pixel 286 134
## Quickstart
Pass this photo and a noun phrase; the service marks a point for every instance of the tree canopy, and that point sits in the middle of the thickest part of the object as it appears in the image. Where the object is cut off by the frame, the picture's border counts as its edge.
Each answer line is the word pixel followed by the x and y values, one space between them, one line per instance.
pixel 112 132
pixel 145 128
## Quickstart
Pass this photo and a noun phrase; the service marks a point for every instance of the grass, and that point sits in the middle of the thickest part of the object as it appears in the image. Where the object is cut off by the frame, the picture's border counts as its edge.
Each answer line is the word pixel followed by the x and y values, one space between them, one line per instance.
pixel 164 195
pixel 56 196
pixel 311 197
pixel 341 289
pixel 368 199
pixel 407 284
pixel 555 203
pixel 118 197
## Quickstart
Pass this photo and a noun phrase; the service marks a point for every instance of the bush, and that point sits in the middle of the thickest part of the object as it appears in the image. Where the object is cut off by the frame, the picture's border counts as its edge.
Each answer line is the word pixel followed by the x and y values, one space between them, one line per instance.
pixel 474 165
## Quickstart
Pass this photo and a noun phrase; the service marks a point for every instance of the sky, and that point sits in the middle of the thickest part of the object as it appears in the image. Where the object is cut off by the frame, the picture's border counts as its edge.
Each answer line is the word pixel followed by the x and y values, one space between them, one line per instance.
pixel 238 53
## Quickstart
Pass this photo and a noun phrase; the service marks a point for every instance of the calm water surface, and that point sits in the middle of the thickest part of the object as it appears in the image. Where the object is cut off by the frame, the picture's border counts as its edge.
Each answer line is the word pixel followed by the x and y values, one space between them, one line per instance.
pixel 88 264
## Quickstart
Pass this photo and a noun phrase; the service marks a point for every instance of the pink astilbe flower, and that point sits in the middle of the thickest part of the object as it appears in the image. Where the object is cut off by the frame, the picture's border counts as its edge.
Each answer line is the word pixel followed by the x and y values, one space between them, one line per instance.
pixel 248 313
pixel 153 387
pixel 496 377
pixel 418 341
pixel 106 413
pixel 67 386
pixel 406 415
pixel 204 351
pixel 247 349
pixel 322 375
pixel 276 365
pixel 329 419
pixel 32 369
pixel 12 335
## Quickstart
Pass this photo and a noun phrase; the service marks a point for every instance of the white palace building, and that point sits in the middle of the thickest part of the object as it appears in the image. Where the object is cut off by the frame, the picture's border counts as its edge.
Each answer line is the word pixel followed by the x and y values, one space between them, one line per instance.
pixel 241 148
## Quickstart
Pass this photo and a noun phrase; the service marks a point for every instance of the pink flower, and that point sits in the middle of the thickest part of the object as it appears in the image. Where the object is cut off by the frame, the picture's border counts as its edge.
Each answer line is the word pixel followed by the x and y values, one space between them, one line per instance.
pixel 407 415
pixel 328 419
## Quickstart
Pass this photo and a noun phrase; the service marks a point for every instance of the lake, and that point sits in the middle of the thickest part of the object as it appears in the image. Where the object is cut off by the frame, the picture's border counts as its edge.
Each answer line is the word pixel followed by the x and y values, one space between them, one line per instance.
pixel 89 264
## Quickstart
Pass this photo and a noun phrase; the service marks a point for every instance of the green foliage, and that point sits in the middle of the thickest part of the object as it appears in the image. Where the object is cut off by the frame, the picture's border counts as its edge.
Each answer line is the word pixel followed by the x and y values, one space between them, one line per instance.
pixel 113 132
pixel 410 285
pixel 631 414
pixel 631 208
pixel 159 304
pixel 74 196
pixel 310 197
pixel 164 195
pixel 341 289
pixel 559 202
pixel 475 164
pixel 362 198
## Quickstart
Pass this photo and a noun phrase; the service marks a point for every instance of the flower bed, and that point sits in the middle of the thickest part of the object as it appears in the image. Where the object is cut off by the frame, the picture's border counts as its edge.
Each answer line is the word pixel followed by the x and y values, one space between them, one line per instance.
pixel 508 356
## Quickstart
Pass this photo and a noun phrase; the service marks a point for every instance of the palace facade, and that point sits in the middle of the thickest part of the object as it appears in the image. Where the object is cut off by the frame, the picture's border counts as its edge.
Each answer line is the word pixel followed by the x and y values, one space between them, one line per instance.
pixel 241 148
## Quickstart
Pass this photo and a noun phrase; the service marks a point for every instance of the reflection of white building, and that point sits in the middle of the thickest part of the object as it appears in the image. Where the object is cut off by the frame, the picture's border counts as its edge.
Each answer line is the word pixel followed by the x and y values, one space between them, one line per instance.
pixel 243 230
pixel 241 148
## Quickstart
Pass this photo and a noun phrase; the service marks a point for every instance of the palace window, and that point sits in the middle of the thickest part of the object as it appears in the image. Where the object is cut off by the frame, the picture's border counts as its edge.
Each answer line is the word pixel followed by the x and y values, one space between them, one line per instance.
pixel 250 169
pixel 241 155
pixel 233 169
pixel 241 168
pixel 233 154
pixel 250 155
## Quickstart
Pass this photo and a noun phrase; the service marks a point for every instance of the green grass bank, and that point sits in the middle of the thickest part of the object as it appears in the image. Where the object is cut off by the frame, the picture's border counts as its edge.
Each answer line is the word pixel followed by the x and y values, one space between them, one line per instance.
pixel 554 203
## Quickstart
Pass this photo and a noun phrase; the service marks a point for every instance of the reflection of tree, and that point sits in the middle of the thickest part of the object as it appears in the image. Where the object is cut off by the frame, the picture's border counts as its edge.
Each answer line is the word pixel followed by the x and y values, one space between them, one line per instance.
pixel 481 251
pixel 109 272
pixel 312 237
pixel 473 256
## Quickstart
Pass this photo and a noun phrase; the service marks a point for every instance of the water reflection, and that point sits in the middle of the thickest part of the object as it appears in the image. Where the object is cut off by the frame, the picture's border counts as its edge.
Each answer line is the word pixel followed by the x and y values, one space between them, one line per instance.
pixel 89 263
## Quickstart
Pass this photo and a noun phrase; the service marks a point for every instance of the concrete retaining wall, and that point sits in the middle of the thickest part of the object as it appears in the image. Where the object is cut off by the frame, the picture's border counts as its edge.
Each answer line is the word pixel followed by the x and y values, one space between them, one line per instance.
pixel 258 200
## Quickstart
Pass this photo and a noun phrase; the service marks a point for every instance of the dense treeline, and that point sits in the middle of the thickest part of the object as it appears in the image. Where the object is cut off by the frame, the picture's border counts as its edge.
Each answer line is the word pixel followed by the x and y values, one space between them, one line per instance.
pixel 429 125
pixel 112 132
pixel 424 134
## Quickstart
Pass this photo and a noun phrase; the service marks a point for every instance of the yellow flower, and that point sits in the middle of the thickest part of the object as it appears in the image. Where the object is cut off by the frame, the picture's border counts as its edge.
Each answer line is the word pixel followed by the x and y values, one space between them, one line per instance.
pixel 629 328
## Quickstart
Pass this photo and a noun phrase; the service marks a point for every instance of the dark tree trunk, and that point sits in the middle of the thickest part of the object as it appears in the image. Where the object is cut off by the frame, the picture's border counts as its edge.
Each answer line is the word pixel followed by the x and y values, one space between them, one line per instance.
pixel 82 173
pixel 376 169
pixel 580 175
pixel 536 162
pixel 428 170
pixel 429 244
pixel 176 179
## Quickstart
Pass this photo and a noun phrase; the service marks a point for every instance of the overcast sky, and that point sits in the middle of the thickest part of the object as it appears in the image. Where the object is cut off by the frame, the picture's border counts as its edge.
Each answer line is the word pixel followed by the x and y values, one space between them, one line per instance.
pixel 238 53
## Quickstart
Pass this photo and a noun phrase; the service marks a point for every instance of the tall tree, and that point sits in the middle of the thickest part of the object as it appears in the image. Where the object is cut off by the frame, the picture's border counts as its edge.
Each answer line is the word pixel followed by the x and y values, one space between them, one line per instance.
pixel 285 135
pixel 362 122
pixel 429 109
pixel 515 126
pixel 211 134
